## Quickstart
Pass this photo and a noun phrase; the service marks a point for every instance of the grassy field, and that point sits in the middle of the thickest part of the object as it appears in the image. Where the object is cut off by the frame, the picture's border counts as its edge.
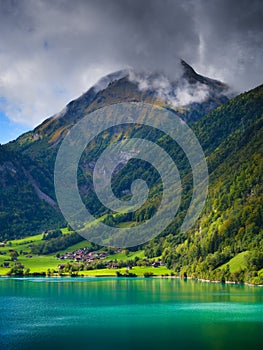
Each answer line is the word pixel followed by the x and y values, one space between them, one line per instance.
pixel 65 231
pixel 21 244
pixel 125 224
pixel 36 263
pixel 138 270
pixel 236 263
pixel 41 263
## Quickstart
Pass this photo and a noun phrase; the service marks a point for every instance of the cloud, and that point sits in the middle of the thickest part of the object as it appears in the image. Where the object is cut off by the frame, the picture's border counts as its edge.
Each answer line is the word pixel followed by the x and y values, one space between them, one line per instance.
pixel 186 94
pixel 178 94
pixel 53 51
pixel 231 41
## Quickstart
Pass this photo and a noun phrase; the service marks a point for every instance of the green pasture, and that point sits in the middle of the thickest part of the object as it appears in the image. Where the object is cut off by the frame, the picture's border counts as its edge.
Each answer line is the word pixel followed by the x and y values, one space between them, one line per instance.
pixel 236 263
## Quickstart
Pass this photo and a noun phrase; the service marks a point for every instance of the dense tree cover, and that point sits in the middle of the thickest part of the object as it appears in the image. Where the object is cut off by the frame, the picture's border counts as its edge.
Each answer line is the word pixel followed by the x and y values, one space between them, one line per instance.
pixel 254 260
pixel 22 212
pixel 240 113
pixel 56 244
pixel 18 270
pixel 232 221
pixel 52 234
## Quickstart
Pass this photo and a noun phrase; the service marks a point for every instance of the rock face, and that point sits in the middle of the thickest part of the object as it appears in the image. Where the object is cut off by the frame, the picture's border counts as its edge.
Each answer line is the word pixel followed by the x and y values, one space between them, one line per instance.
pixel 190 74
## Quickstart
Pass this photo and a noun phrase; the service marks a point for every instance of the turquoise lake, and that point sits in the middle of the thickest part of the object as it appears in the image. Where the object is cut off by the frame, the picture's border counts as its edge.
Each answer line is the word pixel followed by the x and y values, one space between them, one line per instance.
pixel 139 313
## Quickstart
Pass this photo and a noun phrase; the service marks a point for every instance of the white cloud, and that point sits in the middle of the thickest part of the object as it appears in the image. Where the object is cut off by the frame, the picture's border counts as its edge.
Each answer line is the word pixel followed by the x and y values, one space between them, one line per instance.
pixel 177 93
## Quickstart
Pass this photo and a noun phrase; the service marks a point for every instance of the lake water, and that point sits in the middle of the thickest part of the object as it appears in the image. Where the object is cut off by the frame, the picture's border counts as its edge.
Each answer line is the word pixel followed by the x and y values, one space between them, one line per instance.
pixel 112 313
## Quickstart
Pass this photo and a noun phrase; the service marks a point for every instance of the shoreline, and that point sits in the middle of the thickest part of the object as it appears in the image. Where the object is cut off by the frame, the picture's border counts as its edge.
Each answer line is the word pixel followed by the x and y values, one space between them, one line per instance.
pixel 143 277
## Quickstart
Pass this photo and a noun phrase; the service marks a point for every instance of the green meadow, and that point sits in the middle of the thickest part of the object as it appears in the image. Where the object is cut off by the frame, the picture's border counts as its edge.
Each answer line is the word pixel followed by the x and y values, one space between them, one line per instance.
pixel 137 270
pixel 236 263
pixel 43 263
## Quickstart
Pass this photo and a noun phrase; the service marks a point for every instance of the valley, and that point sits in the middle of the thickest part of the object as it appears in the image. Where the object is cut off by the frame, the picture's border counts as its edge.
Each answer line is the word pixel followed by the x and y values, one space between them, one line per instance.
pixel 17 258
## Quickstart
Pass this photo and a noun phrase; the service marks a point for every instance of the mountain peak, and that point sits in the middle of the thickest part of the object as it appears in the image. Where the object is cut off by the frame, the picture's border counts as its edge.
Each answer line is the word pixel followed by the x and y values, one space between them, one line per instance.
pixel 190 94
pixel 187 68
pixel 192 77
pixel 158 84
pixel 105 81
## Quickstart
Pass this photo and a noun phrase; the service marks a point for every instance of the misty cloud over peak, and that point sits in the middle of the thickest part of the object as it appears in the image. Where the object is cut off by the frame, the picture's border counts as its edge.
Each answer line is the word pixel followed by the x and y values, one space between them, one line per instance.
pixel 54 51
pixel 182 88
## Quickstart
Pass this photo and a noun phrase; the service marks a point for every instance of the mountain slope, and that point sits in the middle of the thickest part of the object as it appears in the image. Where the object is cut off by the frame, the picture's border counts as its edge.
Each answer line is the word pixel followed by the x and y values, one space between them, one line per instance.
pixel 36 152
pixel 24 207
pixel 232 221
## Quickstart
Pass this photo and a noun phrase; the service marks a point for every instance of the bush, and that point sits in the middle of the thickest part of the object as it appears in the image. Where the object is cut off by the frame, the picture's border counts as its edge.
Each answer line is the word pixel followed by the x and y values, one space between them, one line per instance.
pixel 148 274
pixel 126 274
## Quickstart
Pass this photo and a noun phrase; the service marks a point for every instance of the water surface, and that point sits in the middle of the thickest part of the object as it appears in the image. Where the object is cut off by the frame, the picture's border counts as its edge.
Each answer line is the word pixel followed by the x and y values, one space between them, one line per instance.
pixel 112 313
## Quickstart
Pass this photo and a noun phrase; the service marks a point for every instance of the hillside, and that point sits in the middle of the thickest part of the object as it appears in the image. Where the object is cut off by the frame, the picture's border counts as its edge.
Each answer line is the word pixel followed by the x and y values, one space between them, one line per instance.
pixel 232 221
pixel 36 150
pixel 24 207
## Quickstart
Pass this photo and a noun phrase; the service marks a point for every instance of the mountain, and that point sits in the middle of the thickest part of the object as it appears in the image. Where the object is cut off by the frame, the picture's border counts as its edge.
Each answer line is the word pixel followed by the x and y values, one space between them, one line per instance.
pixel 230 132
pixel 33 154
pixel 231 225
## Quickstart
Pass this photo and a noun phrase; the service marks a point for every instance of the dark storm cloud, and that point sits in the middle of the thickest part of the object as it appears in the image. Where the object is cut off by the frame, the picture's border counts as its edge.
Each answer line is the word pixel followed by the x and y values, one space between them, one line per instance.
pixel 156 35
pixel 231 34
pixel 52 51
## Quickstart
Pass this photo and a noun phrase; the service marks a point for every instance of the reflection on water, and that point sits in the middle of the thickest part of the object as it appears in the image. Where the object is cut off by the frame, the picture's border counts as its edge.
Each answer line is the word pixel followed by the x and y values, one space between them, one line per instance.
pixel 112 313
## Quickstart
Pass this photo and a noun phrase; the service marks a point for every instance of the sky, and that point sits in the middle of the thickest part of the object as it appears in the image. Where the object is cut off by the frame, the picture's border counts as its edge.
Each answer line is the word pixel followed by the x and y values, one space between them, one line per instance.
pixel 53 51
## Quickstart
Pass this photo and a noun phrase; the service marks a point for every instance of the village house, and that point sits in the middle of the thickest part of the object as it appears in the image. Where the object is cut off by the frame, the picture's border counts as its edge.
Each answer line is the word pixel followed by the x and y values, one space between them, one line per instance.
pixel 84 255
pixel 156 264
pixel 61 266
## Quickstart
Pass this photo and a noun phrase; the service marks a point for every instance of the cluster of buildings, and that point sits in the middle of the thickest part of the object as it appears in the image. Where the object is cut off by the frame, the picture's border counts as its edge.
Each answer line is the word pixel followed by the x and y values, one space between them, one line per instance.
pixel 84 255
